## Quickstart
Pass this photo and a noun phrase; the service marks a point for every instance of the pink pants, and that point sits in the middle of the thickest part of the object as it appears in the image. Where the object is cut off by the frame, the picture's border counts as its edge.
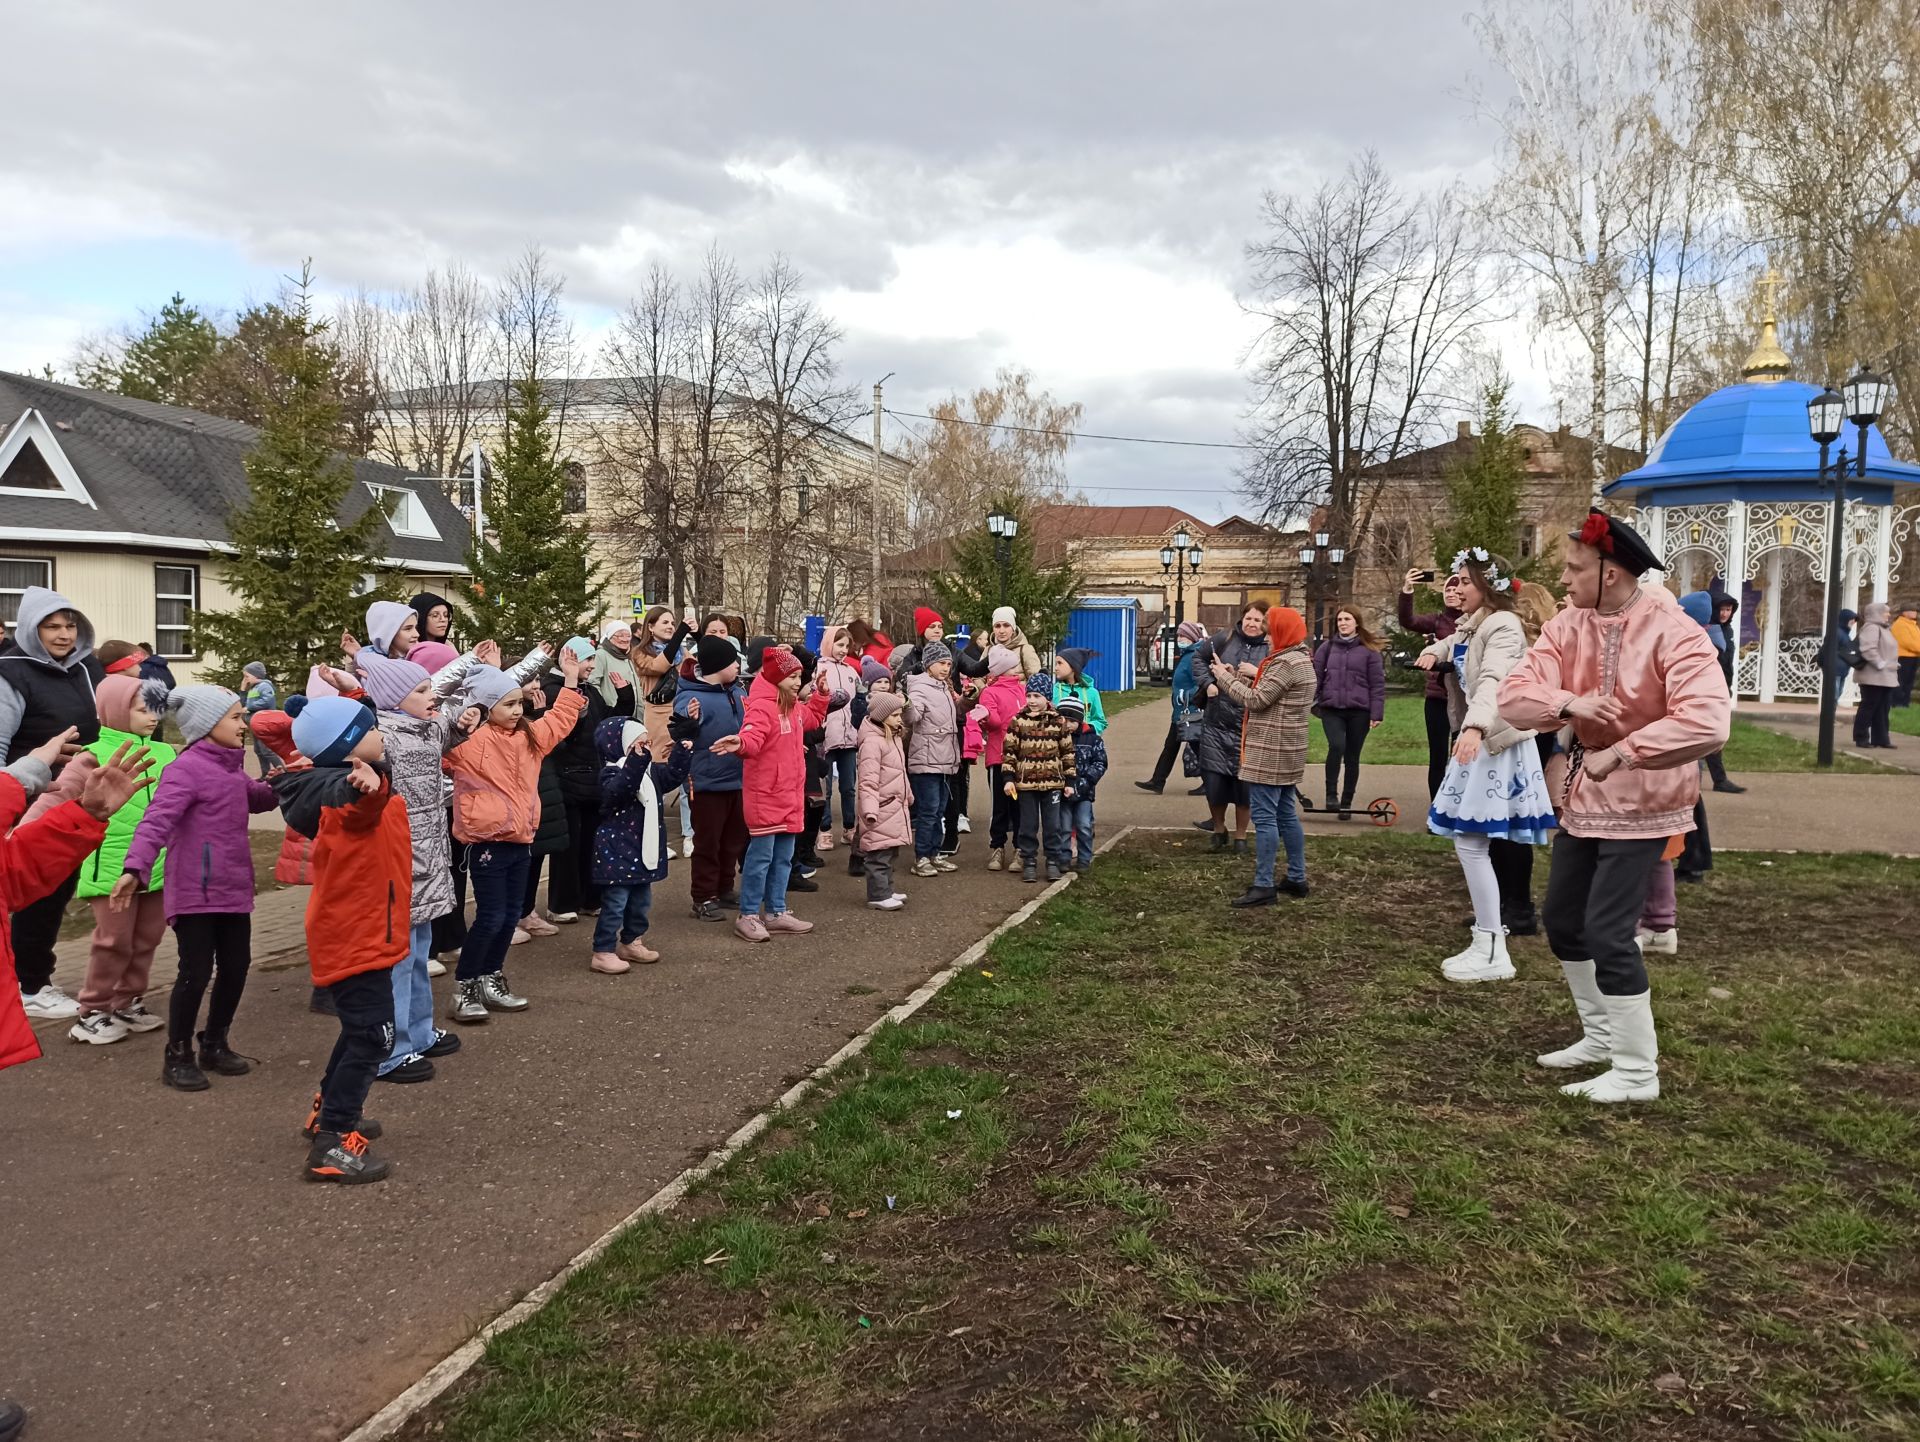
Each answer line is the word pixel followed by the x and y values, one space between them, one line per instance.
pixel 1662 911
pixel 122 957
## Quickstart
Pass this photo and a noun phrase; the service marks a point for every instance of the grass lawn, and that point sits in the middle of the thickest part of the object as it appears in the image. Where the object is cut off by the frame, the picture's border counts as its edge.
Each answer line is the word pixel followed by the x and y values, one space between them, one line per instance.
pixel 1173 1172
pixel 1905 720
pixel 1114 702
pixel 1401 740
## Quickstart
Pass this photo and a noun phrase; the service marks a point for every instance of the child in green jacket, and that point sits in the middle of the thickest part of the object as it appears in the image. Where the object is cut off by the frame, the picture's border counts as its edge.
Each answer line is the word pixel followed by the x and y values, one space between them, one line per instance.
pixel 1070 679
pixel 111 1003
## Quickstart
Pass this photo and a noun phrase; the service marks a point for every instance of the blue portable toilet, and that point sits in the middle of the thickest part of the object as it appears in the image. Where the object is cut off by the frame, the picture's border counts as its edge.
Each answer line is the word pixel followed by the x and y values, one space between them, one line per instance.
pixel 815 628
pixel 1105 625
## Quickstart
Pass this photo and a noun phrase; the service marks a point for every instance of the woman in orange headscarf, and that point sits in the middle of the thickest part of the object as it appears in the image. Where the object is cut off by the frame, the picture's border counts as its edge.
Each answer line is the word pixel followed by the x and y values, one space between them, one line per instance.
pixel 1273 751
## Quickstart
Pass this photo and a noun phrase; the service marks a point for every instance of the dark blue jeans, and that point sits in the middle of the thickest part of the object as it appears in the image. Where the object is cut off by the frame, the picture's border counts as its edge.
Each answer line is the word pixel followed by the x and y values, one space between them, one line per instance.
pixel 929 812
pixel 844 764
pixel 1043 825
pixel 365 1004
pixel 497 871
pixel 623 913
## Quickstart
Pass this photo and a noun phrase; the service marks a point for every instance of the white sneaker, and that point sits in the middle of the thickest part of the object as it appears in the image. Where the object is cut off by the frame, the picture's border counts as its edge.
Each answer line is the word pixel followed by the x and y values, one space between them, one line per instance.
pixel 1485 959
pixel 49 1004
pixel 940 863
pixel 924 867
pixel 964 826
pixel 892 903
pixel 134 1016
pixel 100 1028
pixel 824 842
pixel 520 937
pixel 672 854
pixel 1659 943
pixel 534 924
pixel 562 918
pixel 436 967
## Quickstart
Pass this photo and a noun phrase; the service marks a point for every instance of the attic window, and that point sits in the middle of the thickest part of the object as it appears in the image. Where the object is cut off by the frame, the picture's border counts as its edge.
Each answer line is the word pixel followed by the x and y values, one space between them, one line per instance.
pixel 405 513
pixel 33 464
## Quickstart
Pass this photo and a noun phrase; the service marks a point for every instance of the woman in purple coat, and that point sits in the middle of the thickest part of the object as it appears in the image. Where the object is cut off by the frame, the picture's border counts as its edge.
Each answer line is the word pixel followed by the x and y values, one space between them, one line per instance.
pixel 1351 699
pixel 199 816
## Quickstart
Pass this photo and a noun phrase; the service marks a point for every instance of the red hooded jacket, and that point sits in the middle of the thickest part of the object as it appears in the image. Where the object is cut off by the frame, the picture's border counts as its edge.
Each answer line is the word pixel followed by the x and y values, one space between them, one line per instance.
pixel 774 758
pixel 33 861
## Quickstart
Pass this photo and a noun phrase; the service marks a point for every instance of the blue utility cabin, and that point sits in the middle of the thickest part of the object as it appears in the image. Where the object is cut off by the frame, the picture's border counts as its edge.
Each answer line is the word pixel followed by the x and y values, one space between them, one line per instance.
pixel 1106 625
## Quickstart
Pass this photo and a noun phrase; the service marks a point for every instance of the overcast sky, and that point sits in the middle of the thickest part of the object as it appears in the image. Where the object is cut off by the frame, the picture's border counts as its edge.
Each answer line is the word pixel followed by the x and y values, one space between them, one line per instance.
pixel 1063 186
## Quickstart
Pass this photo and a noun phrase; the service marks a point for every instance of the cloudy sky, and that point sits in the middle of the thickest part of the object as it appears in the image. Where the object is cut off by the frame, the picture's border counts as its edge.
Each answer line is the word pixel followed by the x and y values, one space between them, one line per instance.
pixel 1064 186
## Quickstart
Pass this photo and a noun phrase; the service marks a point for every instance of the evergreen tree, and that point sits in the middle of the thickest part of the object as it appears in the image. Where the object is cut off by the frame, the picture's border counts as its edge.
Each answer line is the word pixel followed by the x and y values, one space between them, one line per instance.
pixel 532 578
pixel 969 589
pixel 163 362
pixel 1483 489
pixel 297 571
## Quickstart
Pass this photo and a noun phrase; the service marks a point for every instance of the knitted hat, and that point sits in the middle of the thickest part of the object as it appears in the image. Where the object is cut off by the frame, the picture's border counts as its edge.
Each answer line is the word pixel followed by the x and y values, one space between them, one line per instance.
pixel 389 682
pixel 756 650
pixel 487 687
pixel 384 619
pixel 255 669
pixel 616 627
pixel 882 704
pixel 776 665
pixel 1040 684
pixel 713 654
pixel 923 617
pixel 113 698
pixel 1190 631
pixel 1002 660
pixel 581 647
pixel 1073 708
pixel 809 663
pixel 1076 658
pixel 898 659
pixel 872 672
pixel 631 732
pixel 198 709
pixel 432 655
pixel 1005 613
pixel 327 728
pixel 932 653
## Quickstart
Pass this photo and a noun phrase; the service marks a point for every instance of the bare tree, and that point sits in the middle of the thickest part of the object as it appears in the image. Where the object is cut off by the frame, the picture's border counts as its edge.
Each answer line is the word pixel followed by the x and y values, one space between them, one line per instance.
pixel 1368 298
pixel 1007 440
pixel 439 365
pixel 1576 135
pixel 536 337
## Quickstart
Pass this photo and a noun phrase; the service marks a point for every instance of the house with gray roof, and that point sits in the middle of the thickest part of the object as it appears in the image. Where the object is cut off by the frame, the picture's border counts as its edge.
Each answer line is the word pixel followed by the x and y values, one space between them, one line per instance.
pixel 123 505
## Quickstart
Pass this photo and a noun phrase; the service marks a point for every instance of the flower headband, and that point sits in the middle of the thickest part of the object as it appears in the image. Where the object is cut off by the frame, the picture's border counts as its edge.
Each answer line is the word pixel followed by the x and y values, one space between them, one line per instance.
pixel 1480 557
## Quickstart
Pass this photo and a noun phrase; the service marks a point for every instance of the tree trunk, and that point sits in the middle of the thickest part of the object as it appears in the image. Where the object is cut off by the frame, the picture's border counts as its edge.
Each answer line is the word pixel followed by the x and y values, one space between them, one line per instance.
pixel 1597 406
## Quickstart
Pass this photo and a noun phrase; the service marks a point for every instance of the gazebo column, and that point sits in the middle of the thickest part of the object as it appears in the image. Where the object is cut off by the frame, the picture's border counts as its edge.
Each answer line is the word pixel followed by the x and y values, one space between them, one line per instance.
pixel 1882 553
pixel 1770 632
pixel 1734 577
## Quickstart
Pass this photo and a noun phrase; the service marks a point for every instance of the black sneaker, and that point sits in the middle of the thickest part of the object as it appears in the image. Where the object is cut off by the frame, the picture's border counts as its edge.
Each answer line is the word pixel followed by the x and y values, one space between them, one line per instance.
pixel 178 1071
pixel 1221 842
pixel 336 1158
pixel 1206 825
pixel 445 1043
pixel 1522 923
pixel 1029 872
pixel 13 1419
pixel 1156 787
pixel 366 1126
pixel 1730 788
pixel 216 1056
pixel 1200 790
pixel 709 911
pixel 415 1068
pixel 1083 866
pixel 1053 871
pixel 1255 896
pixel 1294 888
pixel 727 898
pixel 798 882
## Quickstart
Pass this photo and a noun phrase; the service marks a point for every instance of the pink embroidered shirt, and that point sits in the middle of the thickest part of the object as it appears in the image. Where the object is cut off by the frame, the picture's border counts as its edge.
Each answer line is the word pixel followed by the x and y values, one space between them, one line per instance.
pixel 1667 676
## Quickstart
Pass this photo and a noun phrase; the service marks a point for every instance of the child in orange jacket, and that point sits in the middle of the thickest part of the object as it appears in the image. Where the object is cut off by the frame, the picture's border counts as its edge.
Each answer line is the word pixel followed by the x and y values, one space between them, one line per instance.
pixel 496 811
pixel 357 915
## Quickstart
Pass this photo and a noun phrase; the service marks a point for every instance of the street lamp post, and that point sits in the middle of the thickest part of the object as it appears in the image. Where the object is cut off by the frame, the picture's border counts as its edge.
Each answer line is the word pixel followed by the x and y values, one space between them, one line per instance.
pixel 1863 401
pixel 1003 528
pixel 1180 560
pixel 1321 561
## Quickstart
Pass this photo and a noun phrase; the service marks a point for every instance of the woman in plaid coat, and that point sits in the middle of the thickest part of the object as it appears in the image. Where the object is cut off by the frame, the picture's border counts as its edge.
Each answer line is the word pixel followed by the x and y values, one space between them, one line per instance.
pixel 1273 751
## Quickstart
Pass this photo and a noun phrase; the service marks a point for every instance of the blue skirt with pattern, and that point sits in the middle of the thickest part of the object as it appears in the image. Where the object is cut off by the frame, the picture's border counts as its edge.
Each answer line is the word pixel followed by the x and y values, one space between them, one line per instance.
pixel 1504 796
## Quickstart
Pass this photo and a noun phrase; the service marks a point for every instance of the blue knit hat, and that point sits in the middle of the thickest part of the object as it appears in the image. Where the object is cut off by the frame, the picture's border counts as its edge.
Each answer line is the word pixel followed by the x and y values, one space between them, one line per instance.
pixel 1040 684
pixel 327 728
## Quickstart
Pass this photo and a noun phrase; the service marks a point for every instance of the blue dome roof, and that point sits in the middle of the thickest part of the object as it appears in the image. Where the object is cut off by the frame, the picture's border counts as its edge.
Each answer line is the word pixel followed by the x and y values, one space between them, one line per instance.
pixel 1750 442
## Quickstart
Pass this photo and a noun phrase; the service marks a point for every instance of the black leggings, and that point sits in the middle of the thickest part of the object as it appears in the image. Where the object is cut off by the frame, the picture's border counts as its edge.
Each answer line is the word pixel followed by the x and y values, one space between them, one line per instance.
pixel 216 946
pixel 1871 721
pixel 1346 728
pixel 1439 744
pixel 35 928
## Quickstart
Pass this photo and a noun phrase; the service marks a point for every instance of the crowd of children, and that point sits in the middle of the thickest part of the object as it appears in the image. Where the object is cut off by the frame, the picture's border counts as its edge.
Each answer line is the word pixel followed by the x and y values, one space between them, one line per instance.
pixel 416 773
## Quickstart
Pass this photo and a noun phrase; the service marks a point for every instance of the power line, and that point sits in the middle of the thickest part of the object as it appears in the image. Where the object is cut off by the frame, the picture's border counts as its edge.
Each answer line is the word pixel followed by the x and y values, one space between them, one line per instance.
pixel 1154 490
pixel 1078 435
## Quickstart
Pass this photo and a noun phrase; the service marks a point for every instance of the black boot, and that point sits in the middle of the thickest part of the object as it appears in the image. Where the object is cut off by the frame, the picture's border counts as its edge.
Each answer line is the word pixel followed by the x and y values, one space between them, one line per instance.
pixel 1221 842
pixel 797 882
pixel 217 1056
pixel 1255 896
pixel 178 1071
pixel 1156 787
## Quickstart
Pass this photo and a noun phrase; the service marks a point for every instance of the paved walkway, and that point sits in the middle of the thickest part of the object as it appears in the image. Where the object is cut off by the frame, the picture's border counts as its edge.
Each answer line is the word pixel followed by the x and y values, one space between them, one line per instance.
pixel 167 1275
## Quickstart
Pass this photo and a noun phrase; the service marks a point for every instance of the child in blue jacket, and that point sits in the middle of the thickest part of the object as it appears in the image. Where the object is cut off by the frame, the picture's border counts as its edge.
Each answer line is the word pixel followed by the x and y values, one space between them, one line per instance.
pixel 1089 765
pixel 630 844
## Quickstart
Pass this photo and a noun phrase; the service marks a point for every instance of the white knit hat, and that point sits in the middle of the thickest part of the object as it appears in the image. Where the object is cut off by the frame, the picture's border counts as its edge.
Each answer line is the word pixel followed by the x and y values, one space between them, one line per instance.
pixel 1005 613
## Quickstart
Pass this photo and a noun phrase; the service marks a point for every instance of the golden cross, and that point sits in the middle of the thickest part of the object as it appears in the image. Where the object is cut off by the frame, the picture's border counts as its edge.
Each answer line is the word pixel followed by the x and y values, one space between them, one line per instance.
pixel 1770 290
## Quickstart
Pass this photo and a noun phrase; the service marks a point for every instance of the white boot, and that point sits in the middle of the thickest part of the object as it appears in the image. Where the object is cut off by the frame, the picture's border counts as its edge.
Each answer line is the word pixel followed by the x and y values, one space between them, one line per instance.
pixel 1636 1072
pixel 1596 1045
pixel 1659 943
pixel 1485 959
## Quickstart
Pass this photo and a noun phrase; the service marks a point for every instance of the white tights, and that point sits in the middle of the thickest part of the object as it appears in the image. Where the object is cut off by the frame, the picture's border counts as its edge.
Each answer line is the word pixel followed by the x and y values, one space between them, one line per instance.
pixel 1476 860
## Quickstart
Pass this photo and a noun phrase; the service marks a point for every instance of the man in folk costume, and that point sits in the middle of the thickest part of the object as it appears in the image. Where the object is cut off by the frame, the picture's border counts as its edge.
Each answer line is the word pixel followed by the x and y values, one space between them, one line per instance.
pixel 1639 685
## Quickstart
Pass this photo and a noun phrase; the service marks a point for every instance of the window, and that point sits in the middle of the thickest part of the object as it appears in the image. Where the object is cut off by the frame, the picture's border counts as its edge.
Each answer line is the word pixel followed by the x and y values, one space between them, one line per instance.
pixel 1529 542
pixel 573 499
pixel 16 574
pixel 405 512
pixel 176 596
pixel 803 499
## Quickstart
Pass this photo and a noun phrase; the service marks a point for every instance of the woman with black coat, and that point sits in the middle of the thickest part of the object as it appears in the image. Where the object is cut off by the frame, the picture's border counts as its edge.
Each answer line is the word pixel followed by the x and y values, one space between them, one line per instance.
pixel 1240 650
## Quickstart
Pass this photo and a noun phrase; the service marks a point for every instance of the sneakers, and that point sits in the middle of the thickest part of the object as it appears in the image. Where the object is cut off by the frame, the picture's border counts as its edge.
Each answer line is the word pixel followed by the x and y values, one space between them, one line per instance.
pixel 995 860
pixel 217 1056
pixel 521 936
pixel 800 881
pixel 963 825
pixel 846 836
pixel 751 928
pixel 940 863
pixel 925 867
pixel 134 1016
pixel 1156 787
pixel 708 911
pixel 1029 872
pixel 1053 871
pixel 891 903
pixel 1658 943
pixel 100 1028
pixel 366 1126
pixel 497 995
pixel 178 1071
pixel 1485 959
pixel 534 924
pixel 1255 896
pixel 672 855
pixel 445 1043
pixel 786 921
pixel 334 1158
pixel 607 963
pixel 49 1004
pixel 1730 788
pixel 560 918
pixel 637 950
pixel 728 898
pixel 1083 866
pixel 416 1068
pixel 469 1005
pixel 824 842
pixel 436 967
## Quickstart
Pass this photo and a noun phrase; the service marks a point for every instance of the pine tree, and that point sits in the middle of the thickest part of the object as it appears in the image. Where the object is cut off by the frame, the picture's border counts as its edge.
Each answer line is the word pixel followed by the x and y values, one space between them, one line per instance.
pixel 532 578
pixel 969 589
pixel 297 571
pixel 163 362
pixel 1483 488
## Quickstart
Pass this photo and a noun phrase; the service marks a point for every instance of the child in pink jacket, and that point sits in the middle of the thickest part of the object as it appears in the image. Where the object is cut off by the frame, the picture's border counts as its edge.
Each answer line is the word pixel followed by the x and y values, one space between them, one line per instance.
pixel 1005 694
pixel 886 804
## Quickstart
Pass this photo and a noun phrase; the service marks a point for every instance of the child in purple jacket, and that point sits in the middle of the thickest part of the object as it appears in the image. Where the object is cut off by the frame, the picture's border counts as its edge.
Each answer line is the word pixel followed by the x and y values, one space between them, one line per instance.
pixel 199 815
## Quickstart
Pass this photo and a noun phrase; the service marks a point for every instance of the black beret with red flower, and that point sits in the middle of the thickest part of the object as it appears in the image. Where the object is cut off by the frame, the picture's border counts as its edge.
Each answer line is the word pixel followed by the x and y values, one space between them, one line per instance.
pixel 1618 542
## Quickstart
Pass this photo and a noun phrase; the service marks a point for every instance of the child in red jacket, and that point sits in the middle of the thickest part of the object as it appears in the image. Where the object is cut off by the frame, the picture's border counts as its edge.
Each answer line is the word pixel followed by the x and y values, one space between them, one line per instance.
pixel 358 917
pixel 772 747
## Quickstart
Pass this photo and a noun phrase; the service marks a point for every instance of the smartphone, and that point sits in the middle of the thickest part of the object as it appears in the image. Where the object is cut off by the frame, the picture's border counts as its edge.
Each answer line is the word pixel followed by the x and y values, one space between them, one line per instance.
pixel 1427 576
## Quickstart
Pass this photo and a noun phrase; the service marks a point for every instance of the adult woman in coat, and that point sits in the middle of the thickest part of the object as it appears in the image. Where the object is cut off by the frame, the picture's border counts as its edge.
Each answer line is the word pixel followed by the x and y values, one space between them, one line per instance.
pixel 1273 751
pixel 1878 678
pixel 1240 650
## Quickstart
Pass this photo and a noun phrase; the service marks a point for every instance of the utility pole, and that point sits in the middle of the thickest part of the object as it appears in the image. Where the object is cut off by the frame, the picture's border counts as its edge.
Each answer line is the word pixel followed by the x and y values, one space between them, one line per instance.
pixel 479 493
pixel 878 411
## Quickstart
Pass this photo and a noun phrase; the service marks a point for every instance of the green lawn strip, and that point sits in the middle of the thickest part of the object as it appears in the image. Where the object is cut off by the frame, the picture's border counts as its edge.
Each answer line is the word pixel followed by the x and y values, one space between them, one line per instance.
pixel 1905 720
pixel 1114 702
pixel 1216 1175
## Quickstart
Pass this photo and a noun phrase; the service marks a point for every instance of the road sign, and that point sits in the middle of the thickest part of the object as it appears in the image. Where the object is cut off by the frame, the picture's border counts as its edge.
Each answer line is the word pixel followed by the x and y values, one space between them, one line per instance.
pixel 639 605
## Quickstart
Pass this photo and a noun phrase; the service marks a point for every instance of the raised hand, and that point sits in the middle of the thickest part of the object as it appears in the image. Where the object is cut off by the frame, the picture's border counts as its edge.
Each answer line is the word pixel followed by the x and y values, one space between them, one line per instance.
pixel 362 777
pixel 108 787
pixel 348 645
pixel 487 653
pixel 470 718
pixel 570 669
pixel 58 749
